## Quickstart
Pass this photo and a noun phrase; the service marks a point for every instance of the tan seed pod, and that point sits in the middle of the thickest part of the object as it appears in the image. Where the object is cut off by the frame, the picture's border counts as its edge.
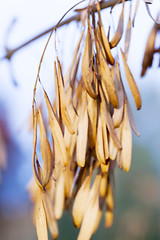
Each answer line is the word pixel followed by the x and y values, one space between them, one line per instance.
pixel 109 123
pixel 91 213
pixel 46 152
pixel 37 175
pixel 92 117
pixel 103 185
pixel 110 198
pixel 126 140
pixel 104 38
pixel 109 215
pixel 99 142
pixel 51 220
pixel 64 112
pixel 41 223
pixel 80 201
pixel 105 167
pixel 82 137
pixel 150 49
pixel 59 196
pixel 132 84
pixel 56 132
pixel 119 31
pixel 106 77
pixel 135 12
pixel 87 73
pixel 128 35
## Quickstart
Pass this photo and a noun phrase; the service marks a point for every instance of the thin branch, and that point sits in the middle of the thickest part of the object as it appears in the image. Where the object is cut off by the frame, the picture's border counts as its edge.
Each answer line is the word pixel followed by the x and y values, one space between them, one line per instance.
pixel 77 17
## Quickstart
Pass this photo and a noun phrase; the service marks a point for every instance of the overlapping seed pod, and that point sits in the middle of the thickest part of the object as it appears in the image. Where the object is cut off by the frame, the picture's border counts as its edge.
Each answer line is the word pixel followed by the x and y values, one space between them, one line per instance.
pixel 90 122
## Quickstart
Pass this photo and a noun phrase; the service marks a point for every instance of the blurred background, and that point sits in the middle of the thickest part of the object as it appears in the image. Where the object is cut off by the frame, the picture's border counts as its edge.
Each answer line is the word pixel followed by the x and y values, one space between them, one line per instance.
pixel 137 212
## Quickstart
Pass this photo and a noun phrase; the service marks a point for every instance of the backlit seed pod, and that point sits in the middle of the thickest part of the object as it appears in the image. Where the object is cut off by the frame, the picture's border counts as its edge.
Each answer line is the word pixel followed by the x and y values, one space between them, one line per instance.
pixel 132 84
pixel 87 73
pixel 40 215
pixel 64 112
pixel 109 215
pixel 50 215
pixel 80 201
pixel 91 212
pixel 119 32
pixel 126 140
pixel 81 146
pixel 46 152
pixel 56 132
pixel 59 196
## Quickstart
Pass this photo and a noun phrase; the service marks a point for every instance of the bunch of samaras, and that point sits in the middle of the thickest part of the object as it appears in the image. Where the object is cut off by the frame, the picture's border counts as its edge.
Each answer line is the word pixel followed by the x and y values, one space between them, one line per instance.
pixel 90 121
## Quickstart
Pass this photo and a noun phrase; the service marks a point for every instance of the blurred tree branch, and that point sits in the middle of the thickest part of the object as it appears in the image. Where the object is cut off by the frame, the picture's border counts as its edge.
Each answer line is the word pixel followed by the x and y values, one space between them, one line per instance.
pixel 76 17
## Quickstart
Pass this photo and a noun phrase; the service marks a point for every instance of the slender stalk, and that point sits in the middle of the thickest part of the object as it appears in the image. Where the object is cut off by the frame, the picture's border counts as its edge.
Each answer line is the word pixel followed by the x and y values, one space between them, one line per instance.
pixel 76 17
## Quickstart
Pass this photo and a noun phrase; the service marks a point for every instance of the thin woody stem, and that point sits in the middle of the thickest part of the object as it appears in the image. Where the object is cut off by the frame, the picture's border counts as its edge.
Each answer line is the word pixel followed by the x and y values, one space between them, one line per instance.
pixel 77 17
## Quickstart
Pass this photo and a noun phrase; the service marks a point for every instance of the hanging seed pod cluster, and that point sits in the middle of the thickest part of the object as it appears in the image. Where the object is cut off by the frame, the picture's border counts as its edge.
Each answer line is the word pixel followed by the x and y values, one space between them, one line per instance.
pixel 91 123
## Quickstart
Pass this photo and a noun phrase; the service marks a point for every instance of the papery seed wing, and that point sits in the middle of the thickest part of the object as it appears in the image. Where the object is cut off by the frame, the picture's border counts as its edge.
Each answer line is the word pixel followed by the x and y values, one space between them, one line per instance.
pixel 92 118
pixel 99 142
pixel 89 221
pixel 104 38
pixel 109 123
pixel 119 32
pixel 135 13
pixel 87 73
pixel 103 185
pixel 80 201
pixel 56 131
pixel 109 215
pixel 82 133
pixel 131 119
pixel 106 76
pixel 126 139
pixel 59 196
pixel 132 84
pixel 65 115
pixel 128 35
pixel 105 167
pixel 149 50
pixel 57 93
pixel 37 176
pixel 51 220
pixel 91 213
pixel 41 224
pixel 46 152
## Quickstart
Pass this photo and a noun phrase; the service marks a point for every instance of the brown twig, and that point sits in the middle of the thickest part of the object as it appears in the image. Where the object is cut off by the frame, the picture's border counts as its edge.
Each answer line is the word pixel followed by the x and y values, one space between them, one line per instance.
pixel 76 17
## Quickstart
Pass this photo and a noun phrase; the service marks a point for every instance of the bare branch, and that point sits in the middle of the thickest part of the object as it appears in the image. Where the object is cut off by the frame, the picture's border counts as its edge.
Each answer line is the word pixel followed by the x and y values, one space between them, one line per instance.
pixel 76 17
